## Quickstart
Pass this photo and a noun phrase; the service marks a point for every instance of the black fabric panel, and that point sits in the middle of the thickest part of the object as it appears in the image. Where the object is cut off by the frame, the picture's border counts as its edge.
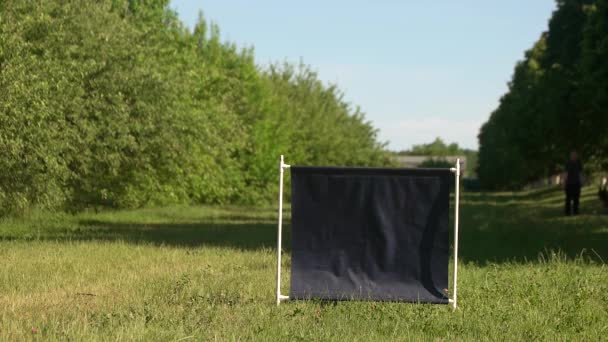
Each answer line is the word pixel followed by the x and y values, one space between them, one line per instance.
pixel 369 233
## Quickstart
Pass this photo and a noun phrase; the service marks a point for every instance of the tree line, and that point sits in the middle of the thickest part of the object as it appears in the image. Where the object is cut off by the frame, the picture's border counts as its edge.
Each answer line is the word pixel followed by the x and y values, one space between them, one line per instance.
pixel 437 150
pixel 557 100
pixel 115 103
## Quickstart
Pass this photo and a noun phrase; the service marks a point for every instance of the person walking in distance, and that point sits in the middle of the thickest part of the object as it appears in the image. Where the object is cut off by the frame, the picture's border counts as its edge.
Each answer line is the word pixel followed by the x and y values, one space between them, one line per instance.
pixel 573 171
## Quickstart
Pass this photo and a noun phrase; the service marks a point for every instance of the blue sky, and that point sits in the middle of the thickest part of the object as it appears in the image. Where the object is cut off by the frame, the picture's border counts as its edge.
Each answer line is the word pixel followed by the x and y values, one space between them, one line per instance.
pixel 418 69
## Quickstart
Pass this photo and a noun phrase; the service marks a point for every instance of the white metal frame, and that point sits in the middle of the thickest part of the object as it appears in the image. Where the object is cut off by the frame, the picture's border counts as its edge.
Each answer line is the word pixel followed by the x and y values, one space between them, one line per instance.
pixel 456 171
pixel 283 166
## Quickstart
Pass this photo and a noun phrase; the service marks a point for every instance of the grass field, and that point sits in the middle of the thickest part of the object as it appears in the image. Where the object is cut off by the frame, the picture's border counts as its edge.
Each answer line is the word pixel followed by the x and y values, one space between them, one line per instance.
pixel 201 273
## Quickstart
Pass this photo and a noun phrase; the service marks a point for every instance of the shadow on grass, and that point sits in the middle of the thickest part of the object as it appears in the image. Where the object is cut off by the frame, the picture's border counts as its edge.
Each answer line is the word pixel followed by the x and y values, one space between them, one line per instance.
pixel 525 229
pixel 494 228
pixel 238 228
pixel 243 235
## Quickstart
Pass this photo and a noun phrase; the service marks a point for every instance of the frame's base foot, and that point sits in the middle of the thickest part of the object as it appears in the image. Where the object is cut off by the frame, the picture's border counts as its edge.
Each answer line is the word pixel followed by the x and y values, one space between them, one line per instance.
pixel 280 298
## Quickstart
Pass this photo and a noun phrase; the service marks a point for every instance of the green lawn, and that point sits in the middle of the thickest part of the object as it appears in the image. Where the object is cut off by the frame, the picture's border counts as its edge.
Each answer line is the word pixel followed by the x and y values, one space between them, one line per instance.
pixel 204 273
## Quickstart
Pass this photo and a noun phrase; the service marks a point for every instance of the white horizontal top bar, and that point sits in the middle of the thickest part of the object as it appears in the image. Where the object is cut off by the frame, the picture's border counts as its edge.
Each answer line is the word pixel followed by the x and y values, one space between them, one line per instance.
pixel 287 166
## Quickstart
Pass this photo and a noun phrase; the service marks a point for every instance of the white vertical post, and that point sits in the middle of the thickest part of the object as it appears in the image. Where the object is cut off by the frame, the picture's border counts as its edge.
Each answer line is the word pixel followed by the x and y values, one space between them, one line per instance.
pixel 279 231
pixel 456 219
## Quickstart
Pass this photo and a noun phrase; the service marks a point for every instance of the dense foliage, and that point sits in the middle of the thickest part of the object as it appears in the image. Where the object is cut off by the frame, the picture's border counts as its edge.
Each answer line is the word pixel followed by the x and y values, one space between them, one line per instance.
pixel 117 104
pixel 557 101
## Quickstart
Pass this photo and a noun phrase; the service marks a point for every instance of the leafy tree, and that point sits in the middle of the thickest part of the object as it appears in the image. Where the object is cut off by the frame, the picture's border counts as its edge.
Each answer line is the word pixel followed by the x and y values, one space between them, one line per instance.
pixel 115 103
pixel 555 102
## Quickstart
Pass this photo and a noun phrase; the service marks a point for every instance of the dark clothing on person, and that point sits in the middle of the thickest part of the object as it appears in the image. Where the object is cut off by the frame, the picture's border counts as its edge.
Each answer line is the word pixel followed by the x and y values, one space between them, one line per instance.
pixel 573 170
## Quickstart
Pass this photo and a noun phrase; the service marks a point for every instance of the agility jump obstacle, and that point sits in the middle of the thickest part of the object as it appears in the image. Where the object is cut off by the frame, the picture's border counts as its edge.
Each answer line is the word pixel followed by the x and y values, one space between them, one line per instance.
pixel 370 233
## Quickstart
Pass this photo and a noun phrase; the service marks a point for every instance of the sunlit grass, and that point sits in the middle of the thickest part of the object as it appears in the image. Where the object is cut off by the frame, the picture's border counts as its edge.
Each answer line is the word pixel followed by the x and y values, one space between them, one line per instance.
pixel 526 272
